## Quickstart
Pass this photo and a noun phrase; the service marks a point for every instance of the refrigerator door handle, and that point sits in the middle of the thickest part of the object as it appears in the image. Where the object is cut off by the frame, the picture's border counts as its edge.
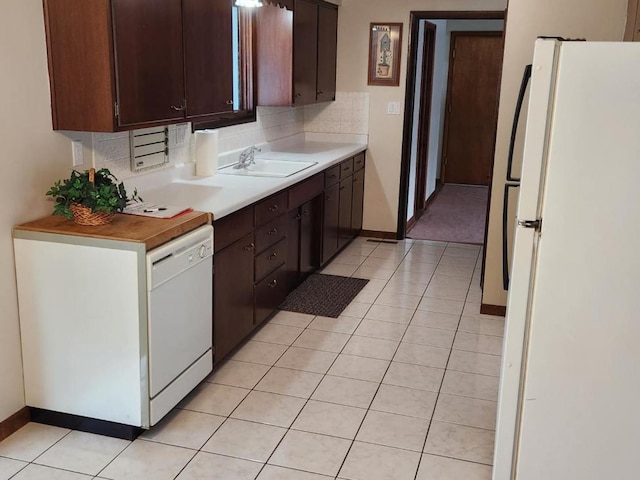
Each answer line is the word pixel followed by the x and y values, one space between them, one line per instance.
pixel 516 120
pixel 505 223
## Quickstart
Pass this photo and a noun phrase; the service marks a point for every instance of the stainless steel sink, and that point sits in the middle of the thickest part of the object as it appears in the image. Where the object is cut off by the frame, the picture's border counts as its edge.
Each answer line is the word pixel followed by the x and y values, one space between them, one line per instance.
pixel 267 167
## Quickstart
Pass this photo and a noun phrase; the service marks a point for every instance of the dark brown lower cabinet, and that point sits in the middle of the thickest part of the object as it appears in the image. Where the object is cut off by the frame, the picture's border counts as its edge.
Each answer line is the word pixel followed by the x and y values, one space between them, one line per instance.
pixel 330 222
pixel 304 241
pixel 357 202
pixel 233 301
pixel 344 215
pixel 270 292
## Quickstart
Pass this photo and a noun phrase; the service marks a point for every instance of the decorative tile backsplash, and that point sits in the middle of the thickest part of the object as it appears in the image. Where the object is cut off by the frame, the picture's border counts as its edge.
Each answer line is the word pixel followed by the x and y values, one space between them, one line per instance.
pixel 348 114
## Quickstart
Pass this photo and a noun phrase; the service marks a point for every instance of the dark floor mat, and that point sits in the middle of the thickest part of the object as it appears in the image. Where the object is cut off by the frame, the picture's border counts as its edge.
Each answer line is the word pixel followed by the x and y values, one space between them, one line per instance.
pixel 323 295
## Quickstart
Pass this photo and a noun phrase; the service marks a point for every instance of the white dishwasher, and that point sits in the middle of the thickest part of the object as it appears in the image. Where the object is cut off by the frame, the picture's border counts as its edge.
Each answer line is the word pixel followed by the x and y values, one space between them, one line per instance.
pixel 180 312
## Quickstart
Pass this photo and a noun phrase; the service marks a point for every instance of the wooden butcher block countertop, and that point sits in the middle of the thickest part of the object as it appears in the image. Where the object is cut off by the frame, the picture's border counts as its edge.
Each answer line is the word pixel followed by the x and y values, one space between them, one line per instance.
pixel 153 232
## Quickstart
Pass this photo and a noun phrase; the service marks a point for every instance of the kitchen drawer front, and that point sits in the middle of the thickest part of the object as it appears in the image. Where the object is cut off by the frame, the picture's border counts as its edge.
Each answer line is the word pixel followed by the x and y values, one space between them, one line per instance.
pixel 271 208
pixel 358 162
pixel 269 294
pixel 305 191
pixel 270 259
pixel 346 168
pixel 271 233
pixel 232 227
pixel 331 176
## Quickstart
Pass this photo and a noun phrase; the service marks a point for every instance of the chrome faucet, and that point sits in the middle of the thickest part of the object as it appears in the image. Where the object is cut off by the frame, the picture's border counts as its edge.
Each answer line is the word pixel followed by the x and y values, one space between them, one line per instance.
pixel 247 157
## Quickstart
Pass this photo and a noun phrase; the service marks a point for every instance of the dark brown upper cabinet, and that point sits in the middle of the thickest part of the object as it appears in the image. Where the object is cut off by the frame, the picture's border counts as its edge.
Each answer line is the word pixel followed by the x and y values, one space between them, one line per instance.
pixel 296 53
pixel 123 64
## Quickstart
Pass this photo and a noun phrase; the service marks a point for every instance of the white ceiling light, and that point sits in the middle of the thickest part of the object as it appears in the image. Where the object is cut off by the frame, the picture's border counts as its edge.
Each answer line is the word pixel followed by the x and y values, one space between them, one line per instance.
pixel 249 3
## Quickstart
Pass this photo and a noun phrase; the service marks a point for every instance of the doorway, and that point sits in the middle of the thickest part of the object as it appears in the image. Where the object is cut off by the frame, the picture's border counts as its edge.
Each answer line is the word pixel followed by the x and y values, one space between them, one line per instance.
pixel 428 102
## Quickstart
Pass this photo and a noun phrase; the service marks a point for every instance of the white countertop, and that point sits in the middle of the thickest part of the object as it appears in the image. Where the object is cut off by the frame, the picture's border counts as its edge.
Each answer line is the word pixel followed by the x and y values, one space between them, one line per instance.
pixel 224 194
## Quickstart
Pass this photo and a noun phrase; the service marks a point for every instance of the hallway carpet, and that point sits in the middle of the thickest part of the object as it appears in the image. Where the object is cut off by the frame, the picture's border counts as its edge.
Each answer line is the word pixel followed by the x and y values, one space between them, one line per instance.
pixel 457 214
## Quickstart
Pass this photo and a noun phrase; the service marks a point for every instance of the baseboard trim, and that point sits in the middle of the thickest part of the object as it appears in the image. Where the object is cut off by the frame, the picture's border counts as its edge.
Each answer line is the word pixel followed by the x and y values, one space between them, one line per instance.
pixel 14 423
pixel 85 424
pixel 379 234
pixel 497 310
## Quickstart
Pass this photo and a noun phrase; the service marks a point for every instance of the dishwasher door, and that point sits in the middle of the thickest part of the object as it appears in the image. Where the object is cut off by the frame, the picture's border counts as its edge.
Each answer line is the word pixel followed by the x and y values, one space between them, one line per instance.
pixel 180 304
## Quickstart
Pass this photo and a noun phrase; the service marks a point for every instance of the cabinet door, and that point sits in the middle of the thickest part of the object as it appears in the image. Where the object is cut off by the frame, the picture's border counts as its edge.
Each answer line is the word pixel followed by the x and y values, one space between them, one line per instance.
pixel 293 248
pixel 149 60
pixel 233 295
pixel 327 53
pixel 310 227
pixel 208 56
pixel 357 202
pixel 305 52
pixel 344 222
pixel 330 222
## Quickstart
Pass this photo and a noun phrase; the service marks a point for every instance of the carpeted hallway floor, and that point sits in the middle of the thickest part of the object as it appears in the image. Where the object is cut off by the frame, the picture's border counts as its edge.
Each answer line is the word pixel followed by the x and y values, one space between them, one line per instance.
pixel 457 214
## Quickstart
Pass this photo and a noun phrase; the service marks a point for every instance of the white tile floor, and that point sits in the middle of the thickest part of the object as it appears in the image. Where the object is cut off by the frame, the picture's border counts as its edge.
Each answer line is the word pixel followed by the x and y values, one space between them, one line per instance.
pixel 402 386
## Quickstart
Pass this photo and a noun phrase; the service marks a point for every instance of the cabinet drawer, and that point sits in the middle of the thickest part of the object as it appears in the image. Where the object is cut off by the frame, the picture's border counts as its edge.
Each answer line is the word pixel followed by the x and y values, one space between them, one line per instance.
pixel 271 208
pixel 271 233
pixel 270 259
pixel 305 191
pixel 332 176
pixel 269 294
pixel 358 162
pixel 232 227
pixel 346 168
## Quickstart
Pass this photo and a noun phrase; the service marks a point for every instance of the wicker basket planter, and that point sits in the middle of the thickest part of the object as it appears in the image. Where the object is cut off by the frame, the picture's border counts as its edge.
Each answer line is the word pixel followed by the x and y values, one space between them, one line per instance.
pixel 85 216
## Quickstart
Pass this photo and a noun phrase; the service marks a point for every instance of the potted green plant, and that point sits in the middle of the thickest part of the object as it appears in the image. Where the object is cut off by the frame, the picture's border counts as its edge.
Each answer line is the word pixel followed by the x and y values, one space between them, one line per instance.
pixel 91 197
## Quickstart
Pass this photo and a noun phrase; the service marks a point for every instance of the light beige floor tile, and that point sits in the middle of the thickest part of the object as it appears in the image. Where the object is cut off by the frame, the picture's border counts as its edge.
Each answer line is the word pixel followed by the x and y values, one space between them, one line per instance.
pixel 474 295
pixel 247 440
pixel 348 259
pixel 471 412
pixel 39 472
pixel 144 460
pixel 416 266
pixel 271 472
pixel 340 269
pixel 451 282
pixel 472 342
pixel 470 385
pixel 442 468
pixel 461 250
pixel 280 334
pixel 461 442
pixel 315 361
pixel 294 383
pixel 30 441
pixel 214 399
pixel 472 309
pixel 269 408
pixel 366 297
pixel 398 300
pixel 356 309
pixel 292 319
pixel 394 430
pixel 342 324
pixel 395 286
pixel 434 337
pixel 416 255
pixel 418 278
pixel 360 368
pixel 483 326
pixel 325 341
pixel 345 391
pixel 405 401
pixel 359 249
pixel 446 293
pixel 183 428
pixel 386 313
pixel 425 355
pixel 458 261
pixel 386 263
pixel 82 452
pixel 374 272
pixel 207 466
pixel 9 467
pixel 454 271
pixel 330 419
pixel 439 305
pixel 444 321
pixel 427 249
pixel 414 376
pixel 238 374
pixel 472 362
pixel 311 452
pixel 371 347
pixel 375 285
pixel 376 462
pixel 379 329
pixel 259 352
pixel 388 253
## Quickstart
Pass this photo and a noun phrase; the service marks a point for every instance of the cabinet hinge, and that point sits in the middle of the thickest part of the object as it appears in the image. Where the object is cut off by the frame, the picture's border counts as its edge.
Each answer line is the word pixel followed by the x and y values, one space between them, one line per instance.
pixel 117 109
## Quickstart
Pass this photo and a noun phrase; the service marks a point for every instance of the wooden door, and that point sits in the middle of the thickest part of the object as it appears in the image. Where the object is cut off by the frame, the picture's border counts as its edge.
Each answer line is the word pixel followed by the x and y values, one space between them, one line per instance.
pixel 149 60
pixel 330 222
pixel 327 53
pixel 357 202
pixel 632 32
pixel 305 52
pixel 472 99
pixel 208 56
pixel 344 217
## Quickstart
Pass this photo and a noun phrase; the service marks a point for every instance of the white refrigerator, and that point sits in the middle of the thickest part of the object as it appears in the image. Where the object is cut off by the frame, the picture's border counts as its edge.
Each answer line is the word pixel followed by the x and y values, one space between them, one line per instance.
pixel 569 403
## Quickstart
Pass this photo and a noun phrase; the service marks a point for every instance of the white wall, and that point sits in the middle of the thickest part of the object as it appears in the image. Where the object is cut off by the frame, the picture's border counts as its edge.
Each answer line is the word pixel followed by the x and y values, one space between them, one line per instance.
pixel 591 19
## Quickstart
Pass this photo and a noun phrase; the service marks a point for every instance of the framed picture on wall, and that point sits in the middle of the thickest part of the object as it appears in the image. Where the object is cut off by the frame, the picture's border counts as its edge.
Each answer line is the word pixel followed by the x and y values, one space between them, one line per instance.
pixel 385 47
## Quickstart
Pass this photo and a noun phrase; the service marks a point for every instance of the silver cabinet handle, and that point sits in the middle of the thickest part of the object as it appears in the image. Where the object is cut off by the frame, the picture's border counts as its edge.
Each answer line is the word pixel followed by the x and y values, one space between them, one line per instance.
pixel 229 102
pixel 273 232
pixel 273 256
pixel 272 283
pixel 249 247
pixel 274 208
